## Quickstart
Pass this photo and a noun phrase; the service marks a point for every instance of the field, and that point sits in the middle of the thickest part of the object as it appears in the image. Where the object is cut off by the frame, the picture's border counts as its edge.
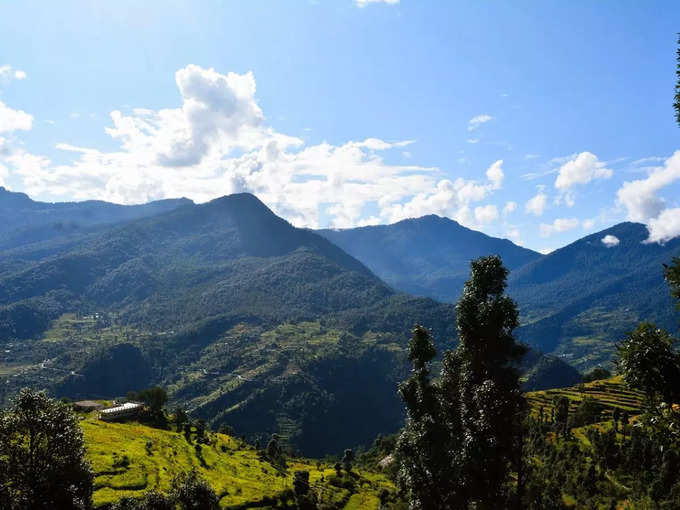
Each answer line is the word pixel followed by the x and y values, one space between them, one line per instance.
pixel 609 393
pixel 129 459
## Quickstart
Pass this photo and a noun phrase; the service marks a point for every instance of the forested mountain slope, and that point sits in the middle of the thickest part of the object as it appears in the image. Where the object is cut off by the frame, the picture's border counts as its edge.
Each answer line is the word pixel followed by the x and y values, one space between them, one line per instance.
pixel 428 256
pixel 579 300
pixel 575 302
pixel 246 319
pixel 24 221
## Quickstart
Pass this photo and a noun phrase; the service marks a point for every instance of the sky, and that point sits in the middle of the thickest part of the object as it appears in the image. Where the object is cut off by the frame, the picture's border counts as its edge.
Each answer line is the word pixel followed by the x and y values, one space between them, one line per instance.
pixel 540 122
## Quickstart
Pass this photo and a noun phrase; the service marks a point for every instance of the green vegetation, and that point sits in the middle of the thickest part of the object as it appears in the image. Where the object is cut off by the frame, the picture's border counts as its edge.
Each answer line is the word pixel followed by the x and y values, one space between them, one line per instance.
pixel 610 394
pixel 42 456
pixel 460 441
pixel 238 473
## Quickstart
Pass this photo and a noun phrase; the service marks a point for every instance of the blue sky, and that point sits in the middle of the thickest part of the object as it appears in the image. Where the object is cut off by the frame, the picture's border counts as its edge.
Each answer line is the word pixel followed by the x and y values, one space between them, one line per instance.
pixel 340 114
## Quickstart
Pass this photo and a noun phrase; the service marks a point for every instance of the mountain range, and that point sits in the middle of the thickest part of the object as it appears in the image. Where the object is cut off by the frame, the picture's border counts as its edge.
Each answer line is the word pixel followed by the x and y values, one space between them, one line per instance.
pixel 251 322
pixel 576 301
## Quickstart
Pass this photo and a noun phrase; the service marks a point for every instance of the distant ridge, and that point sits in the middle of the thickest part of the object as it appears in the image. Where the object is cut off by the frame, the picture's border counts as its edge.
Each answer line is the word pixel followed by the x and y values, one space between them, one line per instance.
pixel 427 256
pixel 23 220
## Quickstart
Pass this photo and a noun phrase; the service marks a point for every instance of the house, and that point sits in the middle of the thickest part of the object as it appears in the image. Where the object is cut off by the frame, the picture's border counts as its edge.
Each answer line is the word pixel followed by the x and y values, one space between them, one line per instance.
pixel 121 412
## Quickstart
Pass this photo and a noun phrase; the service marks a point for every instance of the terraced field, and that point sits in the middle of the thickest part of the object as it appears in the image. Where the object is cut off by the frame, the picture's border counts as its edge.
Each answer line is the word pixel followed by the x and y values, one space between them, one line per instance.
pixel 610 393
pixel 129 459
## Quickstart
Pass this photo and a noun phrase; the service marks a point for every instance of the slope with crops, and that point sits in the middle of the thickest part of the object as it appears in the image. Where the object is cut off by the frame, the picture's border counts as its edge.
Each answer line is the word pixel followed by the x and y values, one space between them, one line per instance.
pixel 129 459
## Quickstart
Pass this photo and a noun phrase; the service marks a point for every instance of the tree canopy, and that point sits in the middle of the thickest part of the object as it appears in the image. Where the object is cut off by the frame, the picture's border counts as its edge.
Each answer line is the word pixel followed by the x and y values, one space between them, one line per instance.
pixel 42 456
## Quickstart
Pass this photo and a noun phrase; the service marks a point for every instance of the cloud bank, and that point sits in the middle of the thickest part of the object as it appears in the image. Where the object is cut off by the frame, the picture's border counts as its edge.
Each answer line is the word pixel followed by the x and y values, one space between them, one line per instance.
pixel 219 142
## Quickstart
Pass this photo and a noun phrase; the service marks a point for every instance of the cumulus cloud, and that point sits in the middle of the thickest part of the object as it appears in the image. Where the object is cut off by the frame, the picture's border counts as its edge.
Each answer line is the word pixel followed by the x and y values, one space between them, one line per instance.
pixel 610 241
pixel 218 142
pixel 579 169
pixel 559 225
pixel 478 120
pixel 364 3
pixel 664 227
pixel 536 205
pixel 640 197
pixel 486 214
pixel 510 207
pixel 495 173
pixel 588 224
pixel 643 203
pixel 8 73
pixel 14 120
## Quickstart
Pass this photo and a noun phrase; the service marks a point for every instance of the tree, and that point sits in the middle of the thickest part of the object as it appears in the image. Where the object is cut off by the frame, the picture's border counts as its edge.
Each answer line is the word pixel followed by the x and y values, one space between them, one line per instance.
pixel 426 472
pixel 274 450
pixel 462 435
pixel 647 361
pixel 347 459
pixel 191 492
pixel 42 456
pixel 491 403
pixel 180 418
pixel 597 374
pixel 155 398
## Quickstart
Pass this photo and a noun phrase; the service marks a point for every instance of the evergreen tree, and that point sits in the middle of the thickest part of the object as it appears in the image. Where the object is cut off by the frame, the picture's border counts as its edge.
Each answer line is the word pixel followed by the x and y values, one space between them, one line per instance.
pixel 347 459
pixel 491 403
pixel 463 434
pixel 426 471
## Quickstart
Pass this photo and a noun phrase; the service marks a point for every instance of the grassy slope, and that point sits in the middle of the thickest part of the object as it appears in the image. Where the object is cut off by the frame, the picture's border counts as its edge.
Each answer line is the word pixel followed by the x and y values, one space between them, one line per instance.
pixel 610 393
pixel 231 467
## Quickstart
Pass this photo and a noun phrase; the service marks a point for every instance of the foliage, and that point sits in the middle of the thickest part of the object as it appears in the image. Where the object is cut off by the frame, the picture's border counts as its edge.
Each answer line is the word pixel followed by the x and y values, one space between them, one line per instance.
pixel 42 456
pixel 648 362
pixel 596 374
pixel 473 412
pixel 239 476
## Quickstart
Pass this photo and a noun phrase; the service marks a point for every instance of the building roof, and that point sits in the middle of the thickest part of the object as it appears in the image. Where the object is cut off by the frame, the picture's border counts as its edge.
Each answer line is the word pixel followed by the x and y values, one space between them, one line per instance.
pixel 127 406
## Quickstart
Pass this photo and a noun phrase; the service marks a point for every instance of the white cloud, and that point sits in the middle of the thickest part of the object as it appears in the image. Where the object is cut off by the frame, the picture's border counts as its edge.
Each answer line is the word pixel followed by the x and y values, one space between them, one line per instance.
pixel 664 227
pixel 510 207
pixel 472 140
pixel 217 142
pixel 610 241
pixel 449 198
pixel 588 224
pixel 364 3
pixel 8 73
pixel 536 205
pixel 478 120
pixel 14 120
pixel 579 169
pixel 640 197
pixel 559 225
pixel 486 214
pixel 495 173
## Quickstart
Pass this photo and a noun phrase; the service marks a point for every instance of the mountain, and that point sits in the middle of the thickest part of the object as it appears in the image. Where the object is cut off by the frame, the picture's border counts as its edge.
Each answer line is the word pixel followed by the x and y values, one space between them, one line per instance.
pixel 428 256
pixel 575 302
pixel 25 221
pixel 247 320
pixel 579 300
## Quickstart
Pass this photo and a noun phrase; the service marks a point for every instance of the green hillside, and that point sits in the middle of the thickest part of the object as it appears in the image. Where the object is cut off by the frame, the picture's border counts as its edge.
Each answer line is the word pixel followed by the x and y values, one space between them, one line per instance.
pixel 609 394
pixel 129 459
